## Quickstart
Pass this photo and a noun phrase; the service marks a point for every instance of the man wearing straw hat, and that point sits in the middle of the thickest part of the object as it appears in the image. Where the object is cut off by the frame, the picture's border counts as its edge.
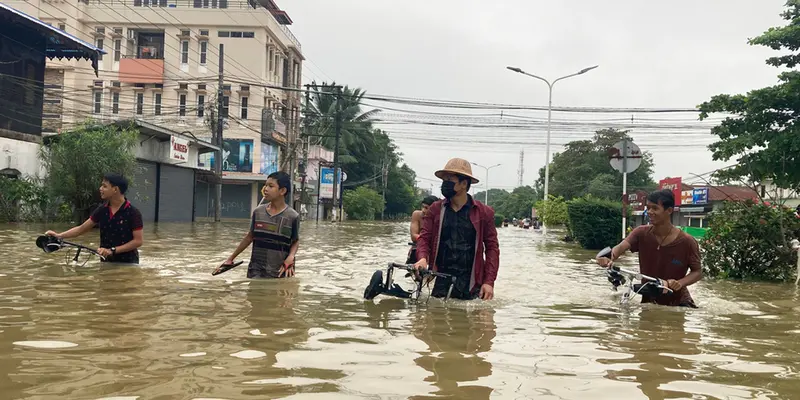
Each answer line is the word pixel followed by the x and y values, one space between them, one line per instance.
pixel 459 237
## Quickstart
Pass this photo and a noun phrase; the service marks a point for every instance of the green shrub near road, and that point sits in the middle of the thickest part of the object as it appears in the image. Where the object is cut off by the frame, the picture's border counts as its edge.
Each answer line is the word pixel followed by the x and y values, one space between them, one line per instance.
pixel 552 211
pixel 498 220
pixel 28 200
pixel 595 223
pixel 362 203
pixel 747 240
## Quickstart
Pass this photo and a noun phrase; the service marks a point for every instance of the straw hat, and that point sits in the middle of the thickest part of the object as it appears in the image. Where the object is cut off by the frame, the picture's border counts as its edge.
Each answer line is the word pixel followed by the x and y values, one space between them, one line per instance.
pixel 458 166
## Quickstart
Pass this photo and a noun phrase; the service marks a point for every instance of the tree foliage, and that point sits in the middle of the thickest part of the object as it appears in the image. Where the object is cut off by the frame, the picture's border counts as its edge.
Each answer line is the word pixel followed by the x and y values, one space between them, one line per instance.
pixel 28 200
pixel 763 132
pixel 552 211
pixel 595 223
pixel 362 203
pixel 748 240
pixel 76 162
pixel 366 154
pixel 515 204
pixel 583 168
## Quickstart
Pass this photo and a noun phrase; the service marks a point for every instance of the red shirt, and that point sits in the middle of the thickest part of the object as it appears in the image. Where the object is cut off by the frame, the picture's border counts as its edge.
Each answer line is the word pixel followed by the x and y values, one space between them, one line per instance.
pixel 670 261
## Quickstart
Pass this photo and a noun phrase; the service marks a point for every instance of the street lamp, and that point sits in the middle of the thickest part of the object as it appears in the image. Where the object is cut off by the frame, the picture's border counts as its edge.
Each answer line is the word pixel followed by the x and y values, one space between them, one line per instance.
pixel 549 113
pixel 486 195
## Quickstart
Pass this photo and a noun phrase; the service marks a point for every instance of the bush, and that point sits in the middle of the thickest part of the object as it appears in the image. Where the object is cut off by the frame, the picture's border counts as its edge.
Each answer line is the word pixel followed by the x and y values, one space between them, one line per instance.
pixel 746 240
pixel 595 223
pixel 362 203
pixel 27 200
pixel 498 220
pixel 552 211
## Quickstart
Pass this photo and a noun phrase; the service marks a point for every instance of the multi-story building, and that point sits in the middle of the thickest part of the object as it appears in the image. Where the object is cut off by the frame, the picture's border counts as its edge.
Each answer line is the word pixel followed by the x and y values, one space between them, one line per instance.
pixel 162 67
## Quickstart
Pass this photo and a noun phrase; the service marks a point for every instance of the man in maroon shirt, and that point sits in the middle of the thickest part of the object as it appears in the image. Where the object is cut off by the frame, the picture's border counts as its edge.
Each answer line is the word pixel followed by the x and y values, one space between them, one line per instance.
pixel 665 252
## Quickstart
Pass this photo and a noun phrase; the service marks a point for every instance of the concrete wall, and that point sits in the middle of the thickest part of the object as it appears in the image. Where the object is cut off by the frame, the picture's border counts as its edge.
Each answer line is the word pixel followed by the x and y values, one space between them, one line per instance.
pixel 21 156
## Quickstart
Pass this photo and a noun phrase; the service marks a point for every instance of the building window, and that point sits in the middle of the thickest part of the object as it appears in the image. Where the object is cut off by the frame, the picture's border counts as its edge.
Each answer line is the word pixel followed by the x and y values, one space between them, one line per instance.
pixel 236 34
pixel 243 104
pixel 62 26
pixel 201 103
pixel 99 44
pixel 210 3
pixel 182 105
pixel 184 52
pixel 98 102
pixel 139 103
pixel 225 106
pixel 117 49
pixel 157 100
pixel 269 57
pixel 115 103
pixel 203 52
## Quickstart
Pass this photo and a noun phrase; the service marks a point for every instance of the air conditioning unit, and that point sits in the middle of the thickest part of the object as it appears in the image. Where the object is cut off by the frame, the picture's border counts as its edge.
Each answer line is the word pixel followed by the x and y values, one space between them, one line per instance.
pixel 131 34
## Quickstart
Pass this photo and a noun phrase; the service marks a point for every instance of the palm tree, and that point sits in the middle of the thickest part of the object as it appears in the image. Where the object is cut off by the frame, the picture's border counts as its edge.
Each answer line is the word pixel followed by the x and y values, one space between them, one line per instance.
pixel 356 128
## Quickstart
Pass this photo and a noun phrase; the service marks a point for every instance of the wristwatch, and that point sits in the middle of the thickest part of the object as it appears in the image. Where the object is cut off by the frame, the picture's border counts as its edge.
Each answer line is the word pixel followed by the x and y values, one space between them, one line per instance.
pixel 113 251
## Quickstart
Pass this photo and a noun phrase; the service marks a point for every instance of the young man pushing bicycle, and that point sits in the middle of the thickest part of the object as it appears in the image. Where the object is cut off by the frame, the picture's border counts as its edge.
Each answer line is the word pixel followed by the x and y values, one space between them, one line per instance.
pixel 665 252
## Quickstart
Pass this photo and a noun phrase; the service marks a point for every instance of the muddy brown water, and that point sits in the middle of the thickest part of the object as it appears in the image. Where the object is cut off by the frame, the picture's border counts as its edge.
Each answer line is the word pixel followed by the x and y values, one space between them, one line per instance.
pixel 169 330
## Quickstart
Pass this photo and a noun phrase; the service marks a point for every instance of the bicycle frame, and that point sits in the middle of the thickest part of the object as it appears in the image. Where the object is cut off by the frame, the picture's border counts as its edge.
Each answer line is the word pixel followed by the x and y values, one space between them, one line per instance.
pixel 617 277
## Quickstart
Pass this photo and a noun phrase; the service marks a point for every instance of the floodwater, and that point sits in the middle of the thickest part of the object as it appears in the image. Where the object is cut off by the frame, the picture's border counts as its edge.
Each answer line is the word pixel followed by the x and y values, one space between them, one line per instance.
pixel 169 330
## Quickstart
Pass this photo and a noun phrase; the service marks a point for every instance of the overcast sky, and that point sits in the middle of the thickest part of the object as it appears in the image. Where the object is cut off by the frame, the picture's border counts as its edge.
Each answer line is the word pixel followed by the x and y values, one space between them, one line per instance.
pixel 650 54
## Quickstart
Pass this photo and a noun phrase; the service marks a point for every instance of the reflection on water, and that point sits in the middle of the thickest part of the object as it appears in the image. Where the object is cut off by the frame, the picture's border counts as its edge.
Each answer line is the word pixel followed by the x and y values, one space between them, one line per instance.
pixel 169 330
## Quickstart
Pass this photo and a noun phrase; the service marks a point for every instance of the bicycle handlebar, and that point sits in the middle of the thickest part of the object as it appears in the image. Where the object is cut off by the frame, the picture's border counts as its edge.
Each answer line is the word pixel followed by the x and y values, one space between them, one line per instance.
pixel 423 272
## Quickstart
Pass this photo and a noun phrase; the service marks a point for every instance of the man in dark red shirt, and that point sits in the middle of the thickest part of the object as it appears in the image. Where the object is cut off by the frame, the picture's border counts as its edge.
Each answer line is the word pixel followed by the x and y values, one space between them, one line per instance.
pixel 665 252
pixel 120 223
pixel 458 237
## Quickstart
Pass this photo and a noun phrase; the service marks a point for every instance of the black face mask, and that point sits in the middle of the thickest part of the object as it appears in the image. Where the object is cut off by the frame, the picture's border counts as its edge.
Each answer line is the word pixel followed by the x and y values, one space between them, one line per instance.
pixel 448 189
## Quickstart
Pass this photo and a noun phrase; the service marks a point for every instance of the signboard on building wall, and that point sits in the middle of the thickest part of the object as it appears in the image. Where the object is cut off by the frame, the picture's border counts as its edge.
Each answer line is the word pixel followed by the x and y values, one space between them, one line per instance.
pixel 700 196
pixel 178 149
pixel 686 197
pixel 673 184
pixel 269 158
pixel 326 182
pixel 237 155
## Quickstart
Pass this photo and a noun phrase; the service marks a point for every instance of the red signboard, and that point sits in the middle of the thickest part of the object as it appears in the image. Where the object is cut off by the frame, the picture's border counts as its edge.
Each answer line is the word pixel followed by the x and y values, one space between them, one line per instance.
pixel 673 184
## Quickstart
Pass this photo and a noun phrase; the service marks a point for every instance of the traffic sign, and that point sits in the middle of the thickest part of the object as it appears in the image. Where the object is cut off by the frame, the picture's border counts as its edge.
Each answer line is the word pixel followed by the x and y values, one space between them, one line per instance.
pixel 625 152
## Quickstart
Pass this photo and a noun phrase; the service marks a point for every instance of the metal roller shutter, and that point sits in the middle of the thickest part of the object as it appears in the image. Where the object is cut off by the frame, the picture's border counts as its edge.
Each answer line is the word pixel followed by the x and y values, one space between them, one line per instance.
pixel 177 194
pixel 142 193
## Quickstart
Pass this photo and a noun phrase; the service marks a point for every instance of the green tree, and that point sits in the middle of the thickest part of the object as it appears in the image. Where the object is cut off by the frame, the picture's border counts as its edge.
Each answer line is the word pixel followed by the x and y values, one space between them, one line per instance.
pixel 762 130
pixel 552 211
pixel 518 203
pixel 76 162
pixel 362 203
pixel 365 153
pixel 496 197
pixel 583 168
pixel 745 240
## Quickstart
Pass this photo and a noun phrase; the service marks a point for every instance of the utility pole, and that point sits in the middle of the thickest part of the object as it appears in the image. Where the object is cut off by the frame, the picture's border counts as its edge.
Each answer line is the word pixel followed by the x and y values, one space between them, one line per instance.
pixel 291 139
pixel 336 173
pixel 307 143
pixel 384 179
pixel 218 155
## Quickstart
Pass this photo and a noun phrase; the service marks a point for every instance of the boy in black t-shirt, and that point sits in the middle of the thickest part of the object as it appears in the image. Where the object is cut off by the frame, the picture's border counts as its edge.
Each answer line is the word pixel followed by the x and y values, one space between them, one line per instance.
pixel 120 223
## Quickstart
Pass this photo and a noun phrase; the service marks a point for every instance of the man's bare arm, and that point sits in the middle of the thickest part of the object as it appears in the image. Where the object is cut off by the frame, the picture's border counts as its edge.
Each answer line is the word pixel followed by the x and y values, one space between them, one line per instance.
pixel 243 245
pixel 416 225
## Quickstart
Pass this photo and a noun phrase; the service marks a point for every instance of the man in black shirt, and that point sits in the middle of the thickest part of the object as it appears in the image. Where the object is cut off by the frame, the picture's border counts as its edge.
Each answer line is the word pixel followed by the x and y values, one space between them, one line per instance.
pixel 120 223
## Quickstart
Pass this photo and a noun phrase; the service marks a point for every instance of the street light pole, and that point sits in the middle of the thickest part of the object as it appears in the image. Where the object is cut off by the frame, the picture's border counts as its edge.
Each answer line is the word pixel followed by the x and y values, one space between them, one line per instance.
pixel 549 118
pixel 486 194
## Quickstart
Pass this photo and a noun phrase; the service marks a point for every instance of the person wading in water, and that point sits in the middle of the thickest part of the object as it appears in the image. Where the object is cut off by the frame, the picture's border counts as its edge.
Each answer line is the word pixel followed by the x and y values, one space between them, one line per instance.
pixel 416 226
pixel 274 232
pixel 120 223
pixel 665 252
pixel 458 236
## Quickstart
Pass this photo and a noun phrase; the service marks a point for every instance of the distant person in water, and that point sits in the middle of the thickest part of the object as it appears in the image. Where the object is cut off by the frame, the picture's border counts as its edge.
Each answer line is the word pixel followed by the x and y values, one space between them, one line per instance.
pixel 416 226
pixel 274 232
pixel 665 252
pixel 120 223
